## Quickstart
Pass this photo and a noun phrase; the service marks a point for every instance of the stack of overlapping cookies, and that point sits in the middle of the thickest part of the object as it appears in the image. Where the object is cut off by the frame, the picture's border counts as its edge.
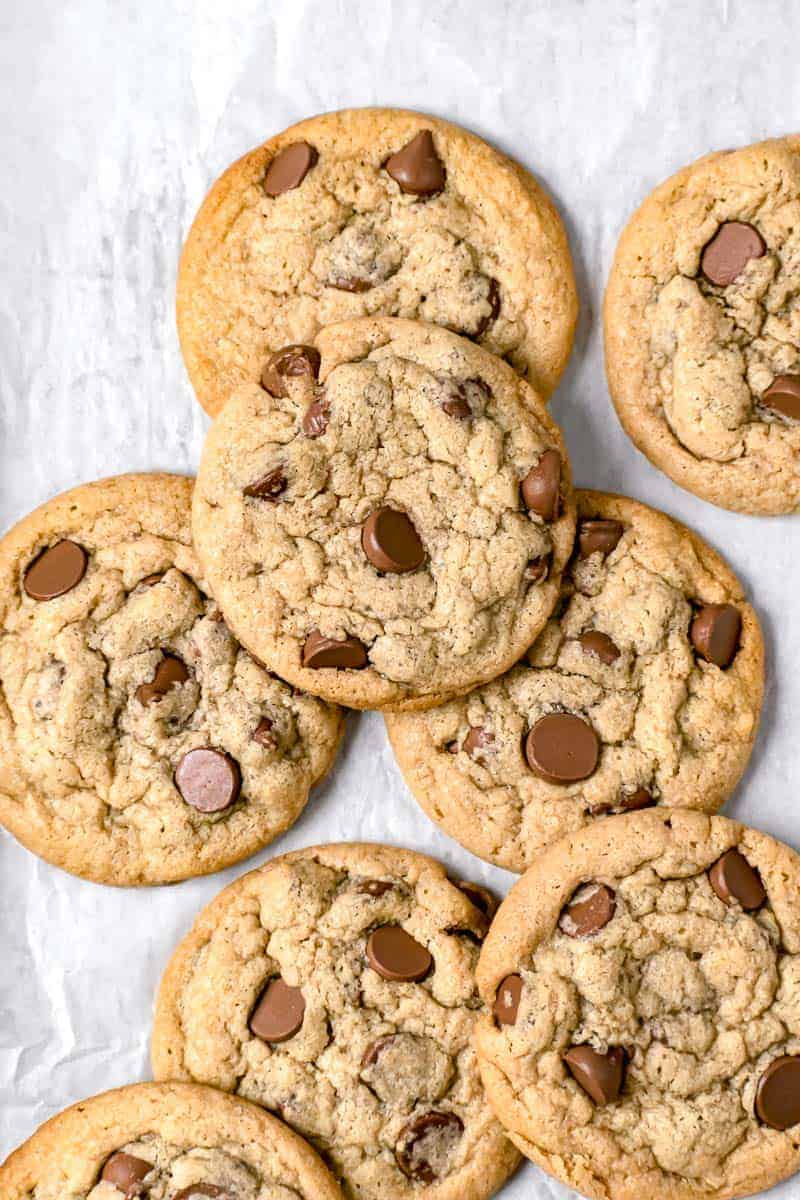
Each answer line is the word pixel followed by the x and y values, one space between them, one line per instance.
pixel 375 306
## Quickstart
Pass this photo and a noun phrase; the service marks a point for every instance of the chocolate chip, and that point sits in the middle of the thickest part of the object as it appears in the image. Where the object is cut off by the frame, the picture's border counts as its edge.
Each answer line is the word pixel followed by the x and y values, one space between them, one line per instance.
pixel 292 362
pixel 715 633
pixel 279 1013
pixel 375 1049
pixel 600 1075
pixel 732 878
pixel 56 571
pixel 208 780
pixel 264 733
pixel 783 396
pixel 320 651
pixel 494 309
pixel 562 748
pixel 541 486
pixel 349 283
pixel 506 1001
pixel 465 398
pixel 538 569
pixel 727 254
pixel 269 486
pixel 425 1145
pixel 315 419
pixel 599 645
pixel 375 887
pixel 289 168
pixel 480 896
pixel 198 1189
pixel 396 955
pixel 479 742
pixel 778 1093
pixel 590 910
pixel 633 801
pixel 170 670
pixel 126 1173
pixel 598 536
pixel 391 543
pixel 417 168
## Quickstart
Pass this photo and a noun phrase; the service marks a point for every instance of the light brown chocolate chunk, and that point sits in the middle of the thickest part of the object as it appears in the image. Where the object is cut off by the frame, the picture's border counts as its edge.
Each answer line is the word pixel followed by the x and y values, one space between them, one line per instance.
pixel 494 309
pixel 417 168
pixel 591 908
pixel 264 733
pixel 541 486
pixel 599 645
pixel 480 896
pixel 280 1012
pixel 315 419
pixel 600 1075
pixel 199 1189
pixel 733 879
pixel 598 536
pixel 320 651
pixel 465 398
pixel 170 671
pixel 375 887
pixel 778 1093
pixel 479 742
pixel 396 955
pixel 126 1173
pixel 506 1002
pixel 633 801
pixel 391 543
pixel 425 1145
pixel 291 362
pixel 727 254
pixel 289 168
pixel 349 283
pixel 783 396
pixel 269 486
pixel 715 633
pixel 56 571
pixel 562 748
pixel 208 780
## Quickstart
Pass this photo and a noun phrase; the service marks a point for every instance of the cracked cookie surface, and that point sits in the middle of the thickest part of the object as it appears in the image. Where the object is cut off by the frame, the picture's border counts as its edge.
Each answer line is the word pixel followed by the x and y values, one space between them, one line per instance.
pixel 399 417
pixel 673 729
pixel 694 996
pixel 139 743
pixel 168 1141
pixel 485 255
pixel 702 316
pixel 376 1066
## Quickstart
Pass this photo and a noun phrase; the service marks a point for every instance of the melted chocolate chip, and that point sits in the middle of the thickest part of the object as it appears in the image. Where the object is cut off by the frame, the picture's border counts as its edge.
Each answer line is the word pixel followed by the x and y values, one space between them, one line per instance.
pixel 479 742
pixel 417 168
pixel 391 542
pixel 590 910
pixel 480 896
pixel 425 1145
pixel 507 999
pixel 562 748
pixel 599 645
pixel 315 419
pixel 396 955
pixel 170 671
pixel 289 168
pixel 600 1075
pixel 541 486
pixel 733 879
pixel 291 362
pixel 126 1173
pixel 320 652
pixel 598 536
pixel 264 733
pixel 279 1013
pixel 783 396
pixel 494 309
pixel 208 780
pixel 778 1093
pixel 727 254
pixel 269 486
pixel 715 633
pixel 56 571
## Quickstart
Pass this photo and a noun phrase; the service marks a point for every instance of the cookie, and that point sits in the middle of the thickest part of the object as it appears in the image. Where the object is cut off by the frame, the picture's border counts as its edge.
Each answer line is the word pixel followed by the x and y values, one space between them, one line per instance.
pixel 173 1140
pixel 644 981
pixel 384 522
pixel 644 688
pixel 373 212
pixel 702 328
pixel 336 987
pixel 139 743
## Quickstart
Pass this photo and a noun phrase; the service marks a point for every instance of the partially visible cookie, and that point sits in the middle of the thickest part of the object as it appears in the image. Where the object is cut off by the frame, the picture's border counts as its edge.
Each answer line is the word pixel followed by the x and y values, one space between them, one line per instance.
pixel 644 688
pixel 702 327
pixel 368 212
pixel 139 743
pixel 336 987
pixel 159 1140
pixel 385 521
pixel 644 985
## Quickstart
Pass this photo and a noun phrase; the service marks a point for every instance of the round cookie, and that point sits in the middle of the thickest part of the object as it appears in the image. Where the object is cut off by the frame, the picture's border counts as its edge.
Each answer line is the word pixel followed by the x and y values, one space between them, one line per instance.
pixel 158 1140
pixel 368 212
pixel 626 699
pixel 644 977
pixel 385 521
pixel 702 328
pixel 139 743
pixel 335 986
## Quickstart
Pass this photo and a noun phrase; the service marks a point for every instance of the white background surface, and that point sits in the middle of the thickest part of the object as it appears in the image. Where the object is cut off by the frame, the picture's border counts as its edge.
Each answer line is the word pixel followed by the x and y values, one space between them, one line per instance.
pixel 116 116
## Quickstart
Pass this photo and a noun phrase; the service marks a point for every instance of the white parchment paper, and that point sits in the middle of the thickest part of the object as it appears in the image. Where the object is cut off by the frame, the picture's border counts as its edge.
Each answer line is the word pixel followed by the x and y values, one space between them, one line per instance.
pixel 116 116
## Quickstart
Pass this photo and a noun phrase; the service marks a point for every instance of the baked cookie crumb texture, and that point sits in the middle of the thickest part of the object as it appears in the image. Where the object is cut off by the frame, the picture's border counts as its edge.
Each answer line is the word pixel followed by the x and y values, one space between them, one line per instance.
pixel 644 688
pixel 702 326
pixel 373 212
pixel 645 984
pixel 171 1141
pixel 384 519
pixel 335 986
pixel 139 743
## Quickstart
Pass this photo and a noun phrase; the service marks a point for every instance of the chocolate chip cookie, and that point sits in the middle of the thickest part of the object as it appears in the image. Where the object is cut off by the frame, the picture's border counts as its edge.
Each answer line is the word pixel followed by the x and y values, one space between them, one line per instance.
pixel 644 688
pixel 139 743
pixel 702 328
pixel 385 518
pixel 368 212
pixel 336 987
pixel 644 981
pixel 152 1141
